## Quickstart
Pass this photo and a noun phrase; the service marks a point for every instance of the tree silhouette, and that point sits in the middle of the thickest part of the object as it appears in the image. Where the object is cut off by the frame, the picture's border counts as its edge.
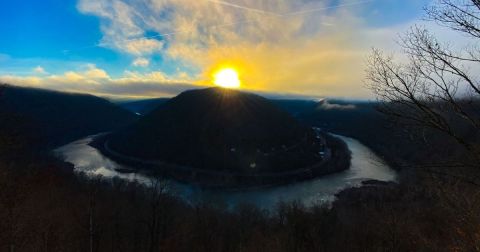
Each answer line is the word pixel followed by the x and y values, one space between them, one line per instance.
pixel 435 87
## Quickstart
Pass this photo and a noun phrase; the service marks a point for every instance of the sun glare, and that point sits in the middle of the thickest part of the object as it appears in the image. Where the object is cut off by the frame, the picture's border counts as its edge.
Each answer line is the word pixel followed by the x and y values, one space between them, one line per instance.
pixel 227 78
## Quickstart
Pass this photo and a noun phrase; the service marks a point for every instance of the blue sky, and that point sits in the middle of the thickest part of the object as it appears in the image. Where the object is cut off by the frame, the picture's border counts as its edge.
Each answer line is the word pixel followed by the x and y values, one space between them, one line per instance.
pixel 40 31
pixel 52 37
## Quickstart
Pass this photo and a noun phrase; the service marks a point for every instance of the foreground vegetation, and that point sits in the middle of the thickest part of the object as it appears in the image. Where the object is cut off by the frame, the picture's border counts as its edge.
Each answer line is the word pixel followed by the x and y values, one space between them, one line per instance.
pixel 44 209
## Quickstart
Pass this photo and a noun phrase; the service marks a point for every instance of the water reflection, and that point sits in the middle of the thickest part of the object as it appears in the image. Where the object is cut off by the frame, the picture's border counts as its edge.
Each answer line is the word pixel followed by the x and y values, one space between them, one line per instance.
pixel 365 165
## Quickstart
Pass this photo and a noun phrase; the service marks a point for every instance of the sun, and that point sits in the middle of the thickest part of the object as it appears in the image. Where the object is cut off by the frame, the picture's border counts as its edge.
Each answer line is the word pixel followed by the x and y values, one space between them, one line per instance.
pixel 226 78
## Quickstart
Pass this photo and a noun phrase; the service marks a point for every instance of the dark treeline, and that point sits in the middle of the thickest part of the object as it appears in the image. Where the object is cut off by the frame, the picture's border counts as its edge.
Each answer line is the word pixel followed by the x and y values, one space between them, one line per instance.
pixel 44 209
pixel 339 160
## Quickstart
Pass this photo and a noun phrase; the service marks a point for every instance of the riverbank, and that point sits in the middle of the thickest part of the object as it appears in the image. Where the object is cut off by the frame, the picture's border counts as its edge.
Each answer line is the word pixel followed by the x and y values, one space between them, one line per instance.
pixel 365 165
pixel 337 159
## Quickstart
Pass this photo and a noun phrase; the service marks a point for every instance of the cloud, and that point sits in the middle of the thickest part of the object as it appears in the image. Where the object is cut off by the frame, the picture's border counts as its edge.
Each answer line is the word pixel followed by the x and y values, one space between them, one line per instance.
pixel 39 70
pixel 305 46
pixel 95 73
pixel 143 46
pixel 326 105
pixel 141 62
pixel 97 81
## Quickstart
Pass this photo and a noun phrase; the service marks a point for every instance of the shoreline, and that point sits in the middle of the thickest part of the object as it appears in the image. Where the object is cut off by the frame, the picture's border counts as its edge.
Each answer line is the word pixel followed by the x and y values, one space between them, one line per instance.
pixel 339 160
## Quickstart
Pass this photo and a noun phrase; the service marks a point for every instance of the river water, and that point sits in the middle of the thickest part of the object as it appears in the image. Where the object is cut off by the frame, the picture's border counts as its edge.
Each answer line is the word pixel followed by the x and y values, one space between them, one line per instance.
pixel 365 166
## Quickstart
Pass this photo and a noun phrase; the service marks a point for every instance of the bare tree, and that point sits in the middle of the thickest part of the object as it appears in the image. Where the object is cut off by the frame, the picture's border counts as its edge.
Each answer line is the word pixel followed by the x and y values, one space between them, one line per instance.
pixel 157 210
pixel 436 87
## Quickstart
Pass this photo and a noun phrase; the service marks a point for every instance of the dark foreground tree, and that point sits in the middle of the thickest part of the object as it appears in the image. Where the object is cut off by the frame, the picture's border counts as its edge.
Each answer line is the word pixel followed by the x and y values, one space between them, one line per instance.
pixel 435 88
pixel 434 93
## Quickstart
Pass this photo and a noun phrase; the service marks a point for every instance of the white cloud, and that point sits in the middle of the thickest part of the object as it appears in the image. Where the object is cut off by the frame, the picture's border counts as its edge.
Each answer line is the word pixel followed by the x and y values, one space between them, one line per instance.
pixel 95 73
pixel 141 62
pixel 39 70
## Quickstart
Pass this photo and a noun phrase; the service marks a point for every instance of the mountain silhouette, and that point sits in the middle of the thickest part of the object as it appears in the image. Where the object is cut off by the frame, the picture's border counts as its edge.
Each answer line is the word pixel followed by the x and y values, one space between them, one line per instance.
pixel 220 129
pixel 56 118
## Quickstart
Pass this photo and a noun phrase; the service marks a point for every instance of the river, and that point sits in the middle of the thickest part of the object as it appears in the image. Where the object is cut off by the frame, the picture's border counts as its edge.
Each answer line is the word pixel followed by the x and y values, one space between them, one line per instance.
pixel 365 165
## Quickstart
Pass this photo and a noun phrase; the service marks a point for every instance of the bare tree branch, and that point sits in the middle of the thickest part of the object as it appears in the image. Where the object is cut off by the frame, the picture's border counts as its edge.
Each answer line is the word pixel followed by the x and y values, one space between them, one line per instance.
pixel 433 88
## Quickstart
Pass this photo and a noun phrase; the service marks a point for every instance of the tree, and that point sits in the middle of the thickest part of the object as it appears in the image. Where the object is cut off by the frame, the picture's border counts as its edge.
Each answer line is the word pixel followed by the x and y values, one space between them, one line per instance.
pixel 157 216
pixel 435 88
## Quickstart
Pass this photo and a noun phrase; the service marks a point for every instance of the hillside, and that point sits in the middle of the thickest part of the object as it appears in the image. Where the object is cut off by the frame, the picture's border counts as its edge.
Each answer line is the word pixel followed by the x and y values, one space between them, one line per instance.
pixel 296 108
pixel 142 107
pixel 221 129
pixel 52 118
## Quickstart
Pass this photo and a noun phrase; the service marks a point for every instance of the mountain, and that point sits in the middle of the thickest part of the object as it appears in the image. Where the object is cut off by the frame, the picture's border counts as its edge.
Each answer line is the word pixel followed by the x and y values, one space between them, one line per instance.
pixel 296 107
pixel 220 129
pixel 51 118
pixel 143 107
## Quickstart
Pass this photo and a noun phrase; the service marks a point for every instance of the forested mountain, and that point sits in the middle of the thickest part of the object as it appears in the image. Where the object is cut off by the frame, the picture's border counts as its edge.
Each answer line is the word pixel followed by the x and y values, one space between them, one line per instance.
pixel 220 129
pixel 53 118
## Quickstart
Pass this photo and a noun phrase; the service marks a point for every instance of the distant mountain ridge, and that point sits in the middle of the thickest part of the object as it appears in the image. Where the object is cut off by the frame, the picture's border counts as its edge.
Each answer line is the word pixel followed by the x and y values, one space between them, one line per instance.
pixel 299 108
pixel 293 106
pixel 143 107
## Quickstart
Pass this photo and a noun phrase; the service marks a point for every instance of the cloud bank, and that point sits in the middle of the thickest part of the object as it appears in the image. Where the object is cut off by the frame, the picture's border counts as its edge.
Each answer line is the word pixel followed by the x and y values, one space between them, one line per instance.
pixel 96 81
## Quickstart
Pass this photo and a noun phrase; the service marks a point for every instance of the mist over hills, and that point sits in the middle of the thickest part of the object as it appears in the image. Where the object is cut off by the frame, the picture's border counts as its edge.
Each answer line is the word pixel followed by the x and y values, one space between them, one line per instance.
pixel 296 107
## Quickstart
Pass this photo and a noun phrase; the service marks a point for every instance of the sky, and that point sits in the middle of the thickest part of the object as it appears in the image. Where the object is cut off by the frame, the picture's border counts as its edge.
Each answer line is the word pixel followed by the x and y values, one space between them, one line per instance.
pixel 158 48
